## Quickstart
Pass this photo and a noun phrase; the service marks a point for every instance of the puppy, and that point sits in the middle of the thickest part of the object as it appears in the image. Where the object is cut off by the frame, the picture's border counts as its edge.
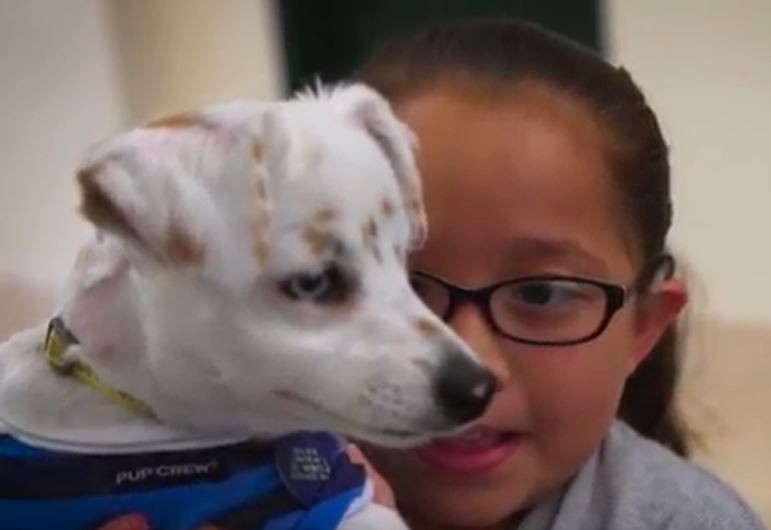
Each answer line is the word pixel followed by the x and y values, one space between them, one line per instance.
pixel 245 284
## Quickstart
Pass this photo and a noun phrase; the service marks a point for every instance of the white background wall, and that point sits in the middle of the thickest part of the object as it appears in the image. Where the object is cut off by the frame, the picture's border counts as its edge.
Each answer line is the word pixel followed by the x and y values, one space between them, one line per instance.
pixel 706 66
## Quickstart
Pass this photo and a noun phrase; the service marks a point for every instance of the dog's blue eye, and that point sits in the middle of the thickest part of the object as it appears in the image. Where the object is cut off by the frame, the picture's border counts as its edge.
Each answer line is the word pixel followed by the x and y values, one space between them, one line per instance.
pixel 324 287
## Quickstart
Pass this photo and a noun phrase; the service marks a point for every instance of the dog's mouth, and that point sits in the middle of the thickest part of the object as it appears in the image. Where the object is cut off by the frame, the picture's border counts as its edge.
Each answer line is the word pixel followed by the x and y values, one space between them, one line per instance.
pixel 396 435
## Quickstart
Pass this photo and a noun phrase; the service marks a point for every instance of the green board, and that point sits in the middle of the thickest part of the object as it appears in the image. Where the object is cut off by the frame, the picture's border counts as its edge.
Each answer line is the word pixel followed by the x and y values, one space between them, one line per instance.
pixel 329 38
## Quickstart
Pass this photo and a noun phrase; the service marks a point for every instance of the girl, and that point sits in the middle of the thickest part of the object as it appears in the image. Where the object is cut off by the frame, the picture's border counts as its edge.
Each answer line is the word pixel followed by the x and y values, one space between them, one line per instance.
pixel 547 191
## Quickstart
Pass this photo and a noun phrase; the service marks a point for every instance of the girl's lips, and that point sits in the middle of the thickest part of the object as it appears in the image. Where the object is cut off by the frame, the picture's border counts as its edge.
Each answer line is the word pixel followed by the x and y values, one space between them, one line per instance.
pixel 478 450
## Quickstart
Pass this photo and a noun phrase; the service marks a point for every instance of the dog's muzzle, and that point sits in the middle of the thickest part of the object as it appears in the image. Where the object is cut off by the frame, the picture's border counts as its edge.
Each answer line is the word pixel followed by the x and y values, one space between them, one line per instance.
pixel 463 388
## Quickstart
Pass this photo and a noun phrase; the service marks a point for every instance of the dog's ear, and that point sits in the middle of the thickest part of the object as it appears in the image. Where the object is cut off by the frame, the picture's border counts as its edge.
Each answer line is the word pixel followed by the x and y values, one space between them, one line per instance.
pixel 397 142
pixel 141 187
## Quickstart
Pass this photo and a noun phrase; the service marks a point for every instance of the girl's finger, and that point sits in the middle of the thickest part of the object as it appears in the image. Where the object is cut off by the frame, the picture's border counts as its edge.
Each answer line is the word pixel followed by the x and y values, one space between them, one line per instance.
pixel 383 494
pixel 127 522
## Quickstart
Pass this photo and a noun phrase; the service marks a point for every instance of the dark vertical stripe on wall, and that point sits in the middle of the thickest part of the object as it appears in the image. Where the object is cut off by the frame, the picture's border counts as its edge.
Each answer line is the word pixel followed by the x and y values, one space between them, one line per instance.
pixel 328 38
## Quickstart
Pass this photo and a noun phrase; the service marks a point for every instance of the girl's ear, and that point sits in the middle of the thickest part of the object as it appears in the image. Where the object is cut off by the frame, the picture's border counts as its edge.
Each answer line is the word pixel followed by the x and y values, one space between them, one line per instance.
pixel 658 309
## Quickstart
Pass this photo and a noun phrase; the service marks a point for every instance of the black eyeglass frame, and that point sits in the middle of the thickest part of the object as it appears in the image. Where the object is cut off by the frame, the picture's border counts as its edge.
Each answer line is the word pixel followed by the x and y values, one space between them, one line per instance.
pixel 616 295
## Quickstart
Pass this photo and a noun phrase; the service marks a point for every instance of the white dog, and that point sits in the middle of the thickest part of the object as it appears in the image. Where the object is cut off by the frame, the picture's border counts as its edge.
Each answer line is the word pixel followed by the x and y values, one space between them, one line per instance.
pixel 246 281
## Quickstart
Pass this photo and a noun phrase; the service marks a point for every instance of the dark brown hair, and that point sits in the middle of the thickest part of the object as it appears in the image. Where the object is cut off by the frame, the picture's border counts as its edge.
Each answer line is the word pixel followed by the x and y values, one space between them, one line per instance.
pixel 502 52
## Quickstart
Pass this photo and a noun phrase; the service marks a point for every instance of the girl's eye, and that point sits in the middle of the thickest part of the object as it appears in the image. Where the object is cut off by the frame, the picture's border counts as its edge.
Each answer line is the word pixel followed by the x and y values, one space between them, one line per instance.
pixel 327 286
pixel 545 293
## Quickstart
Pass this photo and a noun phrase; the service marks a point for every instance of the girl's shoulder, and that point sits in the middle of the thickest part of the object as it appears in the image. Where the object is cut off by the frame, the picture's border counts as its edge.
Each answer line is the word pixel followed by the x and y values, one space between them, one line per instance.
pixel 654 488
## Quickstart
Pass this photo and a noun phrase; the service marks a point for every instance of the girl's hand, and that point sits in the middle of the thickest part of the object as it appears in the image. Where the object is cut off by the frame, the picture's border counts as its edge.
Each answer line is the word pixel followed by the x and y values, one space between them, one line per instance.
pixel 127 522
pixel 383 493
pixel 135 522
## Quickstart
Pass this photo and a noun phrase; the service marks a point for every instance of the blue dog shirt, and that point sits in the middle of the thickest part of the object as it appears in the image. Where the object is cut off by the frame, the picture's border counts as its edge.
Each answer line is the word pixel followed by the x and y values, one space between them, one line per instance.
pixel 300 482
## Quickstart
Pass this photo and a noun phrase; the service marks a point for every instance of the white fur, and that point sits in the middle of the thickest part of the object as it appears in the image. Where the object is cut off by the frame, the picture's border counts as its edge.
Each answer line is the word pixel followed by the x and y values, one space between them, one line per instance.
pixel 213 346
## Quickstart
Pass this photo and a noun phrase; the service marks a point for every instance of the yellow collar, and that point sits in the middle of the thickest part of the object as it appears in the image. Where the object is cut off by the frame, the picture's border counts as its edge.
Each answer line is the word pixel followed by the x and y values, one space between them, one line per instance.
pixel 58 339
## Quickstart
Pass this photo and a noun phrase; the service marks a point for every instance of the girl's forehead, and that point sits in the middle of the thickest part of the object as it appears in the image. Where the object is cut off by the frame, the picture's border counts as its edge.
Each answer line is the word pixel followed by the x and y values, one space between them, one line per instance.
pixel 521 147
pixel 508 168
pixel 506 113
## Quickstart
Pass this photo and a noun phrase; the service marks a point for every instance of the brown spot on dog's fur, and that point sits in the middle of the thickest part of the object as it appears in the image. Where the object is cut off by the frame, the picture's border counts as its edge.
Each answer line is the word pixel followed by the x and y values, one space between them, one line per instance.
pixel 262 190
pixel 182 248
pixel 97 207
pixel 259 228
pixel 416 211
pixel 176 121
pixel 369 236
pixel 387 207
pixel 256 151
pixel 261 251
pixel 399 251
pixel 318 242
pixel 260 212
pixel 85 258
pixel 425 326
pixel 326 215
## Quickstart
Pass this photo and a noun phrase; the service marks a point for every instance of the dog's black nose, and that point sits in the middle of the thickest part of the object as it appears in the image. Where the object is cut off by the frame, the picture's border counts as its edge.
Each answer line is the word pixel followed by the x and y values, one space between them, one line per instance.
pixel 463 388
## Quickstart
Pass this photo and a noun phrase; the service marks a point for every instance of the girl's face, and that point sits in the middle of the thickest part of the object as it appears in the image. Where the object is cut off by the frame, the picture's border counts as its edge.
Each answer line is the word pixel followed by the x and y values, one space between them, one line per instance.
pixel 516 184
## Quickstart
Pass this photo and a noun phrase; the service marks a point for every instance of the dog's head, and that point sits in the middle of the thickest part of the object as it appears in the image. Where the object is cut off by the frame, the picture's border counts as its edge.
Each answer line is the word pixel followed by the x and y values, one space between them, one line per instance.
pixel 268 242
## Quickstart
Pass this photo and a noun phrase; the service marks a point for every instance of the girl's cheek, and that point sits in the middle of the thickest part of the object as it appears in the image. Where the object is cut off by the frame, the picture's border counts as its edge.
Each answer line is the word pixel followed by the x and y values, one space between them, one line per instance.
pixel 576 388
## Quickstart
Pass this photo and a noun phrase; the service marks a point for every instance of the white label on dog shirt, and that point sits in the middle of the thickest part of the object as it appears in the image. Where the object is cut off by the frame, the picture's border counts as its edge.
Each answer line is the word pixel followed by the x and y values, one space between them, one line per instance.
pixel 165 471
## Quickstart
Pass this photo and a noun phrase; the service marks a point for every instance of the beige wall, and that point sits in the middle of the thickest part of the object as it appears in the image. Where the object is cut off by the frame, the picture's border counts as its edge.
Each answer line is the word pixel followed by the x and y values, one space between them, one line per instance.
pixel 706 67
pixel 726 399
pixel 180 54
pixel 60 89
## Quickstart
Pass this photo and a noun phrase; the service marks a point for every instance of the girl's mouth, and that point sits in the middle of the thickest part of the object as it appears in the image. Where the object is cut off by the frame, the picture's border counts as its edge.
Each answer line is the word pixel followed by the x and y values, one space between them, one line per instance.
pixel 478 450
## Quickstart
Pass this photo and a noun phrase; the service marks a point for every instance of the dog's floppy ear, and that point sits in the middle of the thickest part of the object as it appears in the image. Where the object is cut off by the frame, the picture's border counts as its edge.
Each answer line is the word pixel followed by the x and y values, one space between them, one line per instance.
pixel 396 141
pixel 139 186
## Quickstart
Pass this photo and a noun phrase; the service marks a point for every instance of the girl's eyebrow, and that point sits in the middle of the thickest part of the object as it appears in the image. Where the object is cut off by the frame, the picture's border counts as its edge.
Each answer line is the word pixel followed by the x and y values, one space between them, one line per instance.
pixel 552 248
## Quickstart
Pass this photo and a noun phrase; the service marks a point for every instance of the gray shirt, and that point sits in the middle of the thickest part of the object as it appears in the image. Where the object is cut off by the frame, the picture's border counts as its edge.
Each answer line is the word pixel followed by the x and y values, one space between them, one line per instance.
pixel 631 483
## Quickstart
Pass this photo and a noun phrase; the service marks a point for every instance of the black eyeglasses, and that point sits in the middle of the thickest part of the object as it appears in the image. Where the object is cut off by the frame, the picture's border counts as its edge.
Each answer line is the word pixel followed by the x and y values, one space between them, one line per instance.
pixel 543 310
pixel 547 310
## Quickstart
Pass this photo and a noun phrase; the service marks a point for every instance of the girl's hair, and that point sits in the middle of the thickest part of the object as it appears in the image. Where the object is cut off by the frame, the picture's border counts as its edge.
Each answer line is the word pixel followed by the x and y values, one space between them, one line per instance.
pixel 501 52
